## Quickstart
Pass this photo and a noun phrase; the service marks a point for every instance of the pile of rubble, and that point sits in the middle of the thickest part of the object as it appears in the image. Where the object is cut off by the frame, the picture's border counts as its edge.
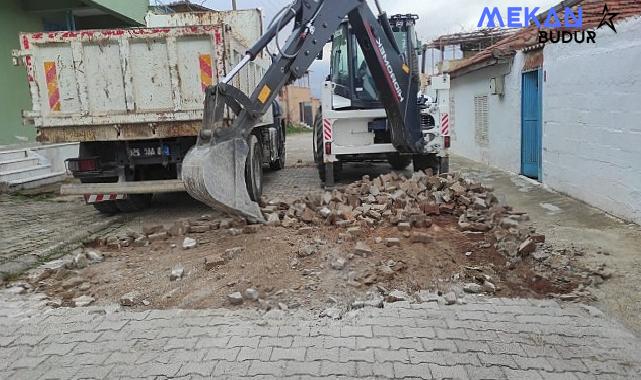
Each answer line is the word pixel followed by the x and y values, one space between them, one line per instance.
pixel 408 204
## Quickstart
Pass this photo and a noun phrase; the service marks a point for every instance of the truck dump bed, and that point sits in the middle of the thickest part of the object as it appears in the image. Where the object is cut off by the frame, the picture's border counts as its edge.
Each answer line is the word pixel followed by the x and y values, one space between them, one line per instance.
pixel 130 84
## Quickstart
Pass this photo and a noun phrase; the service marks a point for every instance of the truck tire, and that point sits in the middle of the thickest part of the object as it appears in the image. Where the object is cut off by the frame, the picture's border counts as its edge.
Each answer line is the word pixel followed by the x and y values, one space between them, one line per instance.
pixel 254 169
pixel 279 163
pixel 398 161
pixel 427 161
pixel 319 151
pixel 134 203
pixel 107 208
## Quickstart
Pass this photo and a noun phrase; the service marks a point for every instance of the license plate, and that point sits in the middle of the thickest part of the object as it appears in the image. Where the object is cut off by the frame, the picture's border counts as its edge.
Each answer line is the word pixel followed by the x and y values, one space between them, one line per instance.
pixel 145 151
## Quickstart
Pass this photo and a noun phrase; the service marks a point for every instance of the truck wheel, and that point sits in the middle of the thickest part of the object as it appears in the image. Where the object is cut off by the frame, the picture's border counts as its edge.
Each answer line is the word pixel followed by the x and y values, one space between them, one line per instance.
pixel 254 169
pixel 319 151
pixel 134 203
pixel 107 208
pixel 279 163
pixel 426 161
pixel 398 161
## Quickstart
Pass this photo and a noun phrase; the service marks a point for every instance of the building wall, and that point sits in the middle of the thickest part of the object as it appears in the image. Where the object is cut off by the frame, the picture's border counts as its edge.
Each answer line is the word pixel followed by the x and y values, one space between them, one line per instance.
pixel 134 10
pixel 292 97
pixel 14 91
pixel 592 120
pixel 503 147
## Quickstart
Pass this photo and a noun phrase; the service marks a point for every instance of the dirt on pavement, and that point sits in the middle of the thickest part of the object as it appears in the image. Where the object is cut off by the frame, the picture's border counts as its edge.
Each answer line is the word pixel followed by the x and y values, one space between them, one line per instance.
pixel 309 266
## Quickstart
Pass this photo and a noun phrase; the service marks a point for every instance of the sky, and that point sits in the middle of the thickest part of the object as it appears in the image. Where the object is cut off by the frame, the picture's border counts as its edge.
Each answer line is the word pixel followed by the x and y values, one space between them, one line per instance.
pixel 437 17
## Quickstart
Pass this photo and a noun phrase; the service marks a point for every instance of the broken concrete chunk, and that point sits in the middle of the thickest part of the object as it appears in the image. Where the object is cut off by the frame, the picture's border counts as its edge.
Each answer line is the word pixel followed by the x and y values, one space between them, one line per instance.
pixel 397 296
pixel 95 257
pixel 307 250
pixel 177 273
pixel 130 299
pixel 273 220
pixel 338 263
pixel 199 229
pixel 404 227
pixel 538 238
pixel 159 236
pixel 189 243
pixel 235 298
pixel 424 296
pixel 287 222
pixel 325 212
pixel 80 261
pixel 527 247
pixel 141 241
pixel 362 249
pixel 332 313
pixel 450 298
pixel 472 287
pixel 393 242
pixel 83 301
pixel 251 294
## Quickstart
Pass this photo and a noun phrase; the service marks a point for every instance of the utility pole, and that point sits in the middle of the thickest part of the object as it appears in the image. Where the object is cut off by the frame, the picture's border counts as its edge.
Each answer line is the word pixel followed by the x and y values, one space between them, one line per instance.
pixel 233 4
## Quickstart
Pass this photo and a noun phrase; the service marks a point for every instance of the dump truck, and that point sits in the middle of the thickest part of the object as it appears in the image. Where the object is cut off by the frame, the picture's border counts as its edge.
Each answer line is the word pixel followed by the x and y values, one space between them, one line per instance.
pixel 133 99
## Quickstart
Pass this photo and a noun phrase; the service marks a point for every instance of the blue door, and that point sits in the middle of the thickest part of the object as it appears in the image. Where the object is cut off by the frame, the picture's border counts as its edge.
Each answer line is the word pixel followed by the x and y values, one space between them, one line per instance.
pixel 531 129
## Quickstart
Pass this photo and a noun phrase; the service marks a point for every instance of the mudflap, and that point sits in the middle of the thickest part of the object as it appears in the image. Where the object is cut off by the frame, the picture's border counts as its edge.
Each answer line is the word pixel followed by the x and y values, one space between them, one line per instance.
pixel 215 175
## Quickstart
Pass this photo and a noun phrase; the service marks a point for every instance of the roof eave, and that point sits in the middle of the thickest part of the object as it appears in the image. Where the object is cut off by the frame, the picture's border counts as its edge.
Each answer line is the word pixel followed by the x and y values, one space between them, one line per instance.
pixel 493 61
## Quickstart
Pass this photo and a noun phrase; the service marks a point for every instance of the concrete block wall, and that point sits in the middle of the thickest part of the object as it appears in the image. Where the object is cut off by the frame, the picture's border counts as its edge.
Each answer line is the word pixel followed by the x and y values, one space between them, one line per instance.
pixel 592 120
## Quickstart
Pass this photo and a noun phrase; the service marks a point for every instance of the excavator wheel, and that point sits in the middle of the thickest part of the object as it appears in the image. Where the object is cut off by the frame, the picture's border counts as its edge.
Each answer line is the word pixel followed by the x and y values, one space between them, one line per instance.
pixel 254 169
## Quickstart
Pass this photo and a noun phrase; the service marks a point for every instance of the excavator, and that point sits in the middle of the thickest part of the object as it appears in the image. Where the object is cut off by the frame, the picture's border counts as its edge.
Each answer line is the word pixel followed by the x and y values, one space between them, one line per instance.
pixel 224 170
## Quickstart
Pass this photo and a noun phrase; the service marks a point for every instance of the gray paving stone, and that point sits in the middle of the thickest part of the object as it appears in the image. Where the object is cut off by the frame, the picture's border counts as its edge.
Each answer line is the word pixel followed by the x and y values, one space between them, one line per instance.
pixel 420 371
pixel 311 348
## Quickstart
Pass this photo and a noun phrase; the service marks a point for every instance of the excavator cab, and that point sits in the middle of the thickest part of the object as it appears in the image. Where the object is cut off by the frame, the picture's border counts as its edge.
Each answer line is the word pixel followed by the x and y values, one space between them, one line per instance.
pixel 354 85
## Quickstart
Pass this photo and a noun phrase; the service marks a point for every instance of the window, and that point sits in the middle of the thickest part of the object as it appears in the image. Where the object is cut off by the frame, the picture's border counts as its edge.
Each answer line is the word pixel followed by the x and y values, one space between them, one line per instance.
pixel 340 62
pixel 481 120
pixel 364 86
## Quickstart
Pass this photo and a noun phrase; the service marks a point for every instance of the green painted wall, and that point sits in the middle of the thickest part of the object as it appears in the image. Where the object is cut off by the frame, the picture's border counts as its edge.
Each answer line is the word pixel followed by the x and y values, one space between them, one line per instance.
pixel 132 9
pixel 14 91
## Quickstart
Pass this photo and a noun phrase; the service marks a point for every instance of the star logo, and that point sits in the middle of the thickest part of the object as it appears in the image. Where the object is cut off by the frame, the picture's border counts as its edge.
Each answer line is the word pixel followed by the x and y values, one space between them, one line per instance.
pixel 608 18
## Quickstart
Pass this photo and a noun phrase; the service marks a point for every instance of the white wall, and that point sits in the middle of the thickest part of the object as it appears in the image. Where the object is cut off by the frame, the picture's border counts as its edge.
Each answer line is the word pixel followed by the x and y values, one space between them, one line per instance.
pixel 504 116
pixel 592 120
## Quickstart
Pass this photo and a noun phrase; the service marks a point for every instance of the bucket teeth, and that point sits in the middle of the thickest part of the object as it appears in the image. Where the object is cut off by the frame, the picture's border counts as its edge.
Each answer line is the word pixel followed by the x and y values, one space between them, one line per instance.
pixel 215 175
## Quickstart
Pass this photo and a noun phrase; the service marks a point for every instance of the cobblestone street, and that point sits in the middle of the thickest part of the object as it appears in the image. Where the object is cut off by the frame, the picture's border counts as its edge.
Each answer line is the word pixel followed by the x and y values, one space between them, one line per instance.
pixel 33 229
pixel 483 338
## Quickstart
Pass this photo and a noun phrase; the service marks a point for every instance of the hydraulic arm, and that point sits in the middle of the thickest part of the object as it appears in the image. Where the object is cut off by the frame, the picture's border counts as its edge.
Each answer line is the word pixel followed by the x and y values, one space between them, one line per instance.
pixel 214 171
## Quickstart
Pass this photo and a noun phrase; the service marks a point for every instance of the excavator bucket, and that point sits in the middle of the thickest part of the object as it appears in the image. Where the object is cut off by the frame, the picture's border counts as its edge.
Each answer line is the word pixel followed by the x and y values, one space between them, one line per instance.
pixel 213 171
